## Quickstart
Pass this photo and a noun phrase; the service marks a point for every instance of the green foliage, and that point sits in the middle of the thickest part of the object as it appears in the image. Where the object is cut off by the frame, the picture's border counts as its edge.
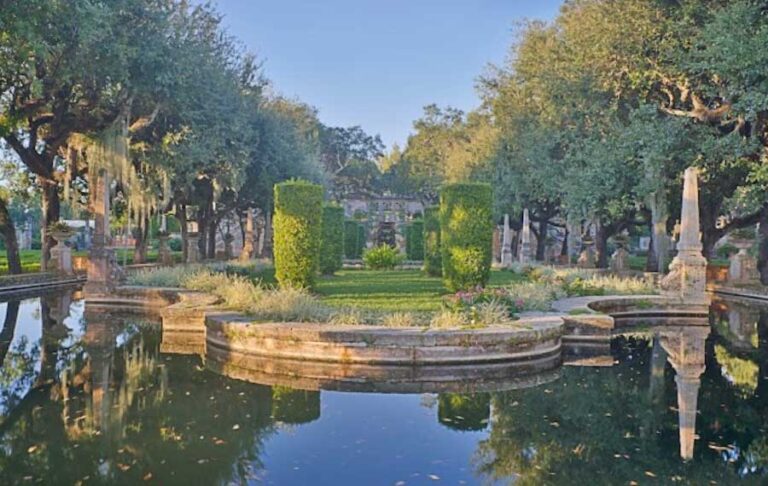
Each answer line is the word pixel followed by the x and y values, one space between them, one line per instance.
pixel 433 261
pixel 332 247
pixel 382 257
pixel 297 233
pixel 354 240
pixel 466 228
pixel 414 241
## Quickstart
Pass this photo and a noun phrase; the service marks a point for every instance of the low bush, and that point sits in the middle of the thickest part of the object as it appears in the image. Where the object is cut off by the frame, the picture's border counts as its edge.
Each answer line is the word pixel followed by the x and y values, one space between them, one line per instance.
pixel 382 257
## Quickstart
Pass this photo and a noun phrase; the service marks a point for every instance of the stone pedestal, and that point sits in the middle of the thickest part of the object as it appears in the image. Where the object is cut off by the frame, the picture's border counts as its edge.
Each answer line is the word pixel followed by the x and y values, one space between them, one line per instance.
pixel 525 239
pixel 164 252
pixel 620 260
pixel 586 257
pixel 103 270
pixel 61 256
pixel 687 278
pixel 193 248
pixel 743 266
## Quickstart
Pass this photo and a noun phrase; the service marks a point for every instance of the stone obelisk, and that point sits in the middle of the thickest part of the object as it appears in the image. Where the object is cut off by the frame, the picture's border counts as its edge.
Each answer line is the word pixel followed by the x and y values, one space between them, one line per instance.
pixel 506 244
pixel 525 239
pixel 687 278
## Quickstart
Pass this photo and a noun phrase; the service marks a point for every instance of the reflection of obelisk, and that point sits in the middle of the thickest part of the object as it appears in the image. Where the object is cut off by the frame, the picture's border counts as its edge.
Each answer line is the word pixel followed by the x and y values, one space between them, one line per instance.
pixel 687 278
pixel 525 239
pixel 506 244
pixel 685 347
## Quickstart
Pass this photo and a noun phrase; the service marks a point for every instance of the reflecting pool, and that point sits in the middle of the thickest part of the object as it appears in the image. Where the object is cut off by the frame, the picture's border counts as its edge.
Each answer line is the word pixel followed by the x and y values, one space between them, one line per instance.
pixel 87 397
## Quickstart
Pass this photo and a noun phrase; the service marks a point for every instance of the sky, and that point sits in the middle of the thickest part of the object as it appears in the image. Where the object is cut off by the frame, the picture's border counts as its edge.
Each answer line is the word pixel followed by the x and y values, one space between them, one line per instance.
pixel 377 63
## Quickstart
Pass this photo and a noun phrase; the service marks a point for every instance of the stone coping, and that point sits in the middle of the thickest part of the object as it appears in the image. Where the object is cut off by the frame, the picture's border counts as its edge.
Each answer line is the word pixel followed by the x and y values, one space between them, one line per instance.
pixel 373 345
pixel 744 292
pixel 11 285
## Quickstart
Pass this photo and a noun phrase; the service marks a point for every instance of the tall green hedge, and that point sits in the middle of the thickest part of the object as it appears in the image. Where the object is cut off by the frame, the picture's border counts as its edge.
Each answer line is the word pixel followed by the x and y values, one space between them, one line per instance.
pixel 466 234
pixel 433 260
pixel 414 240
pixel 297 233
pixel 354 240
pixel 332 246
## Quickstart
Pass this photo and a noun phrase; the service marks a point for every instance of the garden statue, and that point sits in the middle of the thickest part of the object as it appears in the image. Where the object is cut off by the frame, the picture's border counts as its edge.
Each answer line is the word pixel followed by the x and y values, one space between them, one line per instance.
pixel 687 278
pixel 506 244
pixel 620 258
pixel 193 240
pixel 587 256
pixel 525 239
pixel 248 248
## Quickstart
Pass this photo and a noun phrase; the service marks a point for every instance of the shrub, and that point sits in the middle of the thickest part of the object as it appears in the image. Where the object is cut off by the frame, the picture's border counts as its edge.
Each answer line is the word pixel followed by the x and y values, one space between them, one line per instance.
pixel 163 276
pixel 433 265
pixel 297 233
pixel 415 240
pixel 353 243
pixel 332 247
pixel 725 251
pixel 382 257
pixel 466 228
pixel 175 244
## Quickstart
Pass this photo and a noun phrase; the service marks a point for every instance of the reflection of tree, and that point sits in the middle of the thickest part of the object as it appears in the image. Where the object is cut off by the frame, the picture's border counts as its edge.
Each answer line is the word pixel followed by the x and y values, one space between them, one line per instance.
pixel 465 412
pixel 120 413
pixel 295 406
pixel 9 328
pixel 595 423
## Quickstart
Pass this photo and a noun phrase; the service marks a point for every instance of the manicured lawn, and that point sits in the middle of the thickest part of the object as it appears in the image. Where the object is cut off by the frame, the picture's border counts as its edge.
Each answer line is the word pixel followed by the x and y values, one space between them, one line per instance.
pixel 398 290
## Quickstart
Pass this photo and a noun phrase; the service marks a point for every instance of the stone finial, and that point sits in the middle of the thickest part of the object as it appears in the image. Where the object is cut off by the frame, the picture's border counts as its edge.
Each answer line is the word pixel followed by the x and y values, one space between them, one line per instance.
pixel 525 239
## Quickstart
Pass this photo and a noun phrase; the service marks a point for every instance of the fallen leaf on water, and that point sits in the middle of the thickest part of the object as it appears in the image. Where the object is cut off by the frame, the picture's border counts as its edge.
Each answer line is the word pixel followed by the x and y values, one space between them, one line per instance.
pixel 147 476
pixel 235 427
pixel 434 477
pixel 31 449
pixel 123 467
pixel 650 474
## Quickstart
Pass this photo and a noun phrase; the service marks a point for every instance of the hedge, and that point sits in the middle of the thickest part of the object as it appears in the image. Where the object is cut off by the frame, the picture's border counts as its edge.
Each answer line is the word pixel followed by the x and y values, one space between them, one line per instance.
pixel 297 230
pixel 354 240
pixel 433 261
pixel 332 246
pixel 414 241
pixel 466 234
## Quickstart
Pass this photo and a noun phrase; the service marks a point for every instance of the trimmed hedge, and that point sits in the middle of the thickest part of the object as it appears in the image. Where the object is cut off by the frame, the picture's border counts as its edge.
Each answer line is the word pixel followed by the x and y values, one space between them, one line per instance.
pixel 354 240
pixel 297 230
pixel 332 247
pixel 433 260
pixel 466 234
pixel 414 240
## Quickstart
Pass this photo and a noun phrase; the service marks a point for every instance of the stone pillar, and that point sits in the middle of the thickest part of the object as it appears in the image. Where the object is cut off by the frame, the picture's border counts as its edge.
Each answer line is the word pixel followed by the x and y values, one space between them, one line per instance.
pixel 163 250
pixel 587 256
pixel 525 239
pixel 506 243
pixel 248 250
pixel 101 259
pixel 687 278
pixel 620 260
pixel 193 248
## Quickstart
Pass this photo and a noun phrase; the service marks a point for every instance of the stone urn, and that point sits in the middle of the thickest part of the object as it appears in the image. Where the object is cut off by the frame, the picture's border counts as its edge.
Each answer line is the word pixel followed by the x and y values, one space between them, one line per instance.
pixel 61 254
pixel 743 266
pixel 587 256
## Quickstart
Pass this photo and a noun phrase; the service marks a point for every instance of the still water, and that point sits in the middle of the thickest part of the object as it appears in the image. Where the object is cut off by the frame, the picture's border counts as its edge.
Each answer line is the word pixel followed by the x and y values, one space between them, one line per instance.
pixel 88 398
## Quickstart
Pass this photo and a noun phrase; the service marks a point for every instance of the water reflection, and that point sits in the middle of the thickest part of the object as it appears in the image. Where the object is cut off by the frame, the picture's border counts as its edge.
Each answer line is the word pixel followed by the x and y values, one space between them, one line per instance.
pixel 88 396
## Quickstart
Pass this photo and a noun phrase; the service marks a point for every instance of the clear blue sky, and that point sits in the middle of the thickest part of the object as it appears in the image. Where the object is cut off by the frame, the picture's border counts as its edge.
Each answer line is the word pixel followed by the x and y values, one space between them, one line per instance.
pixel 376 63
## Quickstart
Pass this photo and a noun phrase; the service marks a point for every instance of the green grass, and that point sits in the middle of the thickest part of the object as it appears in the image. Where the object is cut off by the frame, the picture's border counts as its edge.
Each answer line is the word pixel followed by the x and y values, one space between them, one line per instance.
pixel 396 290
pixel 30 259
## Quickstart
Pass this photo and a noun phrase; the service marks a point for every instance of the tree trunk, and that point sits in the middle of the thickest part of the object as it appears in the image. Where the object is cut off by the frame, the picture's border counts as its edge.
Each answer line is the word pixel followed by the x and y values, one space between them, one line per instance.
pixel 267 249
pixel 142 237
pixel 541 241
pixel 651 260
pixel 601 245
pixel 51 212
pixel 564 248
pixel 202 228
pixel 181 215
pixel 762 252
pixel 214 224
pixel 8 233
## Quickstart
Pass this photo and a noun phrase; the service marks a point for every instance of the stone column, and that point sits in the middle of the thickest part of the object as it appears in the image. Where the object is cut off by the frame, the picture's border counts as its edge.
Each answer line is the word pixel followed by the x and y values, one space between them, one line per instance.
pixel 193 248
pixel 247 252
pixel 743 266
pixel 506 244
pixel 525 239
pixel 101 259
pixel 687 278
pixel 61 254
